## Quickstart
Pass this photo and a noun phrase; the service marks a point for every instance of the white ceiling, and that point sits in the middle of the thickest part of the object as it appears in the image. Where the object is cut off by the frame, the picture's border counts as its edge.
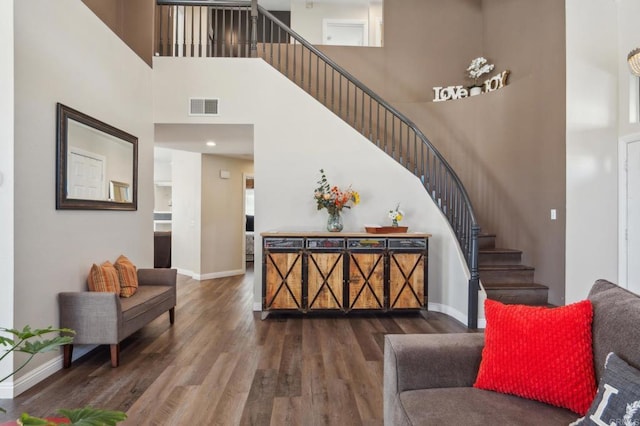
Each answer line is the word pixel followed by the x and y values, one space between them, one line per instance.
pixel 232 140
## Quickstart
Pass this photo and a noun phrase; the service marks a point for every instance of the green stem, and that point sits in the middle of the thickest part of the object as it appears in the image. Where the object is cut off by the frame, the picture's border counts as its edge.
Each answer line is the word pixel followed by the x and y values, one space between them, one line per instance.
pixel 7 351
pixel 18 369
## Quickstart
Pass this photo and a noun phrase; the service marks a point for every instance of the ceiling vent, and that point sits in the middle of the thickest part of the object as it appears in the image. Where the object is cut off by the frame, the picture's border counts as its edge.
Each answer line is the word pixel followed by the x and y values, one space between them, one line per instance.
pixel 201 106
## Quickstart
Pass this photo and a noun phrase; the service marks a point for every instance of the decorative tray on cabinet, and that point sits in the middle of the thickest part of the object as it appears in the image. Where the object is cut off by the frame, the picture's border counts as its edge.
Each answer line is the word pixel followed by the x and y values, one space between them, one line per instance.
pixel 386 229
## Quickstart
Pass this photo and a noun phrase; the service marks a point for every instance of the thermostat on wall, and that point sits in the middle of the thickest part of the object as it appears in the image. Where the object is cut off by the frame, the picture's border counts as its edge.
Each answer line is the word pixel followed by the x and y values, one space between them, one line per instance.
pixel 225 174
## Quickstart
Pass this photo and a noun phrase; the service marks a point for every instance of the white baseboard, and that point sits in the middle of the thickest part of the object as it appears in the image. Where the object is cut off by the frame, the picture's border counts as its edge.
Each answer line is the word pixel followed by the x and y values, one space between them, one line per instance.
pixel 212 275
pixel 6 390
pixel 185 272
pixel 11 389
pixel 448 310
pixel 257 307
pixel 222 274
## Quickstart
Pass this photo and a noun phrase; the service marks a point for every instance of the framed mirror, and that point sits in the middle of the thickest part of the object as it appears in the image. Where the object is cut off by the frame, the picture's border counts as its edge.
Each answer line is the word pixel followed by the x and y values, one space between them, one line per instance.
pixel 97 164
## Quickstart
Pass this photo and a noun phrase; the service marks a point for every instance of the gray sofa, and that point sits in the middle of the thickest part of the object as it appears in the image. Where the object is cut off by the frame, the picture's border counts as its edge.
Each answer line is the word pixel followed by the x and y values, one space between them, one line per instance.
pixel 428 379
pixel 106 318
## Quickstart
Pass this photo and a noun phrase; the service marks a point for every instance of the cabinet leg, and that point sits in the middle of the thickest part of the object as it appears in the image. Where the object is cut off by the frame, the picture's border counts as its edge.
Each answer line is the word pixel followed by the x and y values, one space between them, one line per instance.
pixel 172 315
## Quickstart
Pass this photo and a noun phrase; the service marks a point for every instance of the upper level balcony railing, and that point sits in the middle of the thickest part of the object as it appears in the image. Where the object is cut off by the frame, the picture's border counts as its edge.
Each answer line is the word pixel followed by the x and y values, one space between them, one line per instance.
pixel 244 29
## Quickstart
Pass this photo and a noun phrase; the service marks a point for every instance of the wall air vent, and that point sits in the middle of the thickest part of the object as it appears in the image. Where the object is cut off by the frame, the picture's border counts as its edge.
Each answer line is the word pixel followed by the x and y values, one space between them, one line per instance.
pixel 202 106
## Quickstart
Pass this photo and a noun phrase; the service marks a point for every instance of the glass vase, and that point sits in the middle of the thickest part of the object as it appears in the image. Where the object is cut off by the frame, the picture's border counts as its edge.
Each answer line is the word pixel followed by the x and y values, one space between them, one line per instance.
pixel 334 222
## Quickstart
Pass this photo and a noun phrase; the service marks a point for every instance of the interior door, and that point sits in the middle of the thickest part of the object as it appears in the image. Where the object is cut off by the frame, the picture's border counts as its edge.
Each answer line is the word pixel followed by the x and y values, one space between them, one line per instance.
pixel 86 176
pixel 338 32
pixel 633 216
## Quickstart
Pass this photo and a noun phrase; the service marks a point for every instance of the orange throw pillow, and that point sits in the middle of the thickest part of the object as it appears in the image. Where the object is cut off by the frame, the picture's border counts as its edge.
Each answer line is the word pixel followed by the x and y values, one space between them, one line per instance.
pixel 127 275
pixel 103 278
pixel 540 353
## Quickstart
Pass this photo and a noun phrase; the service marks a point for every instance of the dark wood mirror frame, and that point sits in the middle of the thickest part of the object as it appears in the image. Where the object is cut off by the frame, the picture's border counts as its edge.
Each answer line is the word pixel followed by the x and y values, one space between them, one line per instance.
pixel 63 202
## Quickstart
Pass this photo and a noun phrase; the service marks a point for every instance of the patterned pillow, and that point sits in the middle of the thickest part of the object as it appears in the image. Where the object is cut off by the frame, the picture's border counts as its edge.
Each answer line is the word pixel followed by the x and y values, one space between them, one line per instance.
pixel 540 353
pixel 103 278
pixel 618 398
pixel 127 275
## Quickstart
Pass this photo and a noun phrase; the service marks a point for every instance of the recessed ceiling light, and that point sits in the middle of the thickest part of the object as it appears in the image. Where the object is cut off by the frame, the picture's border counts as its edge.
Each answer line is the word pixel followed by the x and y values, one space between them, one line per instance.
pixel 211 143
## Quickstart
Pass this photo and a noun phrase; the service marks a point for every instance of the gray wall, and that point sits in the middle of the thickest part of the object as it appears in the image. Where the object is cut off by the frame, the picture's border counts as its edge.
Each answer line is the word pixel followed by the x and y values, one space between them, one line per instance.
pixel 54 249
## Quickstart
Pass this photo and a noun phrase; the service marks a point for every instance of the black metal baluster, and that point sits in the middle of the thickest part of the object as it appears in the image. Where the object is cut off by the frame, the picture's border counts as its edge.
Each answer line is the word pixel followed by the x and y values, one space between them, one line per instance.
pixel 192 9
pixel 362 113
pixel 324 75
pixel 340 95
pixel 216 37
pixel 223 33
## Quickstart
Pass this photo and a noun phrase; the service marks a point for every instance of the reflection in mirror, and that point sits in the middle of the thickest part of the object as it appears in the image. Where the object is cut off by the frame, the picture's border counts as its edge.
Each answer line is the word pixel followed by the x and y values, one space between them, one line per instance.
pixel 119 192
pixel 97 164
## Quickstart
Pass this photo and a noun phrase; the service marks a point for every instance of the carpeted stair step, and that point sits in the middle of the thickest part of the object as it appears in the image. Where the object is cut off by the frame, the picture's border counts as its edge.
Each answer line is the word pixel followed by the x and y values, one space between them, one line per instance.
pixel 499 256
pixel 506 273
pixel 518 293
pixel 486 241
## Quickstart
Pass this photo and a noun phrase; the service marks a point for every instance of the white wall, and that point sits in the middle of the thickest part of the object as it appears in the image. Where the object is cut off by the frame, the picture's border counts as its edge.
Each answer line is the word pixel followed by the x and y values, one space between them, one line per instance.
pixel 186 175
pixel 592 153
pixel 294 136
pixel 64 53
pixel 6 183
pixel 629 129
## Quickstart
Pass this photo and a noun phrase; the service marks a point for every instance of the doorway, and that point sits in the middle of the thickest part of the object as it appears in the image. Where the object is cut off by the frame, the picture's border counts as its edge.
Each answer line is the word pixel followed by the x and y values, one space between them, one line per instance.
pixel 249 212
pixel 345 32
pixel 631 232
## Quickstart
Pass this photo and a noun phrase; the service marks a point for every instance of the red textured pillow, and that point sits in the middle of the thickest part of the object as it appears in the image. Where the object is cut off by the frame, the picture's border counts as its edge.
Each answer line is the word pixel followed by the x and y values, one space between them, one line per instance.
pixel 540 353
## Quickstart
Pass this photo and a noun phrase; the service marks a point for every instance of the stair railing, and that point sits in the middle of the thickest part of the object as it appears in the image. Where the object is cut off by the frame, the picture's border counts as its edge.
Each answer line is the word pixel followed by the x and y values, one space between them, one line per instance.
pixel 244 29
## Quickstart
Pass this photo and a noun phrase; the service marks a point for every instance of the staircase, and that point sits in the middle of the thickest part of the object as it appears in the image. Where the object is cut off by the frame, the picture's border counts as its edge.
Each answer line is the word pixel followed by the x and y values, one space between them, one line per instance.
pixel 244 29
pixel 505 278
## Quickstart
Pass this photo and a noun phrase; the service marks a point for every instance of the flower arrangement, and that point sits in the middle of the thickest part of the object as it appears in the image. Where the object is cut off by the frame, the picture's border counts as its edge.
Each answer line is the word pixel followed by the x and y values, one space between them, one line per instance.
pixel 333 198
pixel 396 215
pixel 477 68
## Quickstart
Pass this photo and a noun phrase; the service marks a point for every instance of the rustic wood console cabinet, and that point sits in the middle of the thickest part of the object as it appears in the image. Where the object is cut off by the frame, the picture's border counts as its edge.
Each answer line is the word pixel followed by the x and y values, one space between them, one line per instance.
pixel 307 272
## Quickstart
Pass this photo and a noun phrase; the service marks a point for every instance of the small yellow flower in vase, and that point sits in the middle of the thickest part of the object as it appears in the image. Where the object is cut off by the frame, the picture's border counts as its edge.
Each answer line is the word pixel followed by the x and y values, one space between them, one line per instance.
pixel 396 216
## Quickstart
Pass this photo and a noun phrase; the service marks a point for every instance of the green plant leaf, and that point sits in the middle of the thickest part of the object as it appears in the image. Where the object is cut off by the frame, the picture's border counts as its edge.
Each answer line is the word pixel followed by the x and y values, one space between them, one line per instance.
pixel 88 416
pixel 28 333
pixel 5 341
pixel 40 346
pixel 27 420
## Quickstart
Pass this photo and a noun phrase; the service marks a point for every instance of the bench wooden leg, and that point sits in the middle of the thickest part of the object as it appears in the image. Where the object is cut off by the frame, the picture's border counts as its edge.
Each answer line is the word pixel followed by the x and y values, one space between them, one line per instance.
pixel 172 315
pixel 115 355
pixel 67 354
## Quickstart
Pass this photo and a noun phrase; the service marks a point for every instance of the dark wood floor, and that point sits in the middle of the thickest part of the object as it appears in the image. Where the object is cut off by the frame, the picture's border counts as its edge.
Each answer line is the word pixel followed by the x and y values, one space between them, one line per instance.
pixel 220 364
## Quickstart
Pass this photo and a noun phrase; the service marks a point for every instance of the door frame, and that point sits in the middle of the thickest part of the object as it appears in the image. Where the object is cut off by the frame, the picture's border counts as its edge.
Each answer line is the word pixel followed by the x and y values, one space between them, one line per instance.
pixel 624 142
pixel 246 176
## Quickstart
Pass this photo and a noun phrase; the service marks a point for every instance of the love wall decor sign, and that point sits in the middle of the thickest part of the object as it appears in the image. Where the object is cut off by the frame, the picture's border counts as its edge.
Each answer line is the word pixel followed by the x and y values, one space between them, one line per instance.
pixel 458 92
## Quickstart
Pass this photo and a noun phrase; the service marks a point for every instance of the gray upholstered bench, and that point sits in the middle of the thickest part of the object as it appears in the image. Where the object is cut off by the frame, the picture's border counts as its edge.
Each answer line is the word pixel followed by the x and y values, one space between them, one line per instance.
pixel 107 319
